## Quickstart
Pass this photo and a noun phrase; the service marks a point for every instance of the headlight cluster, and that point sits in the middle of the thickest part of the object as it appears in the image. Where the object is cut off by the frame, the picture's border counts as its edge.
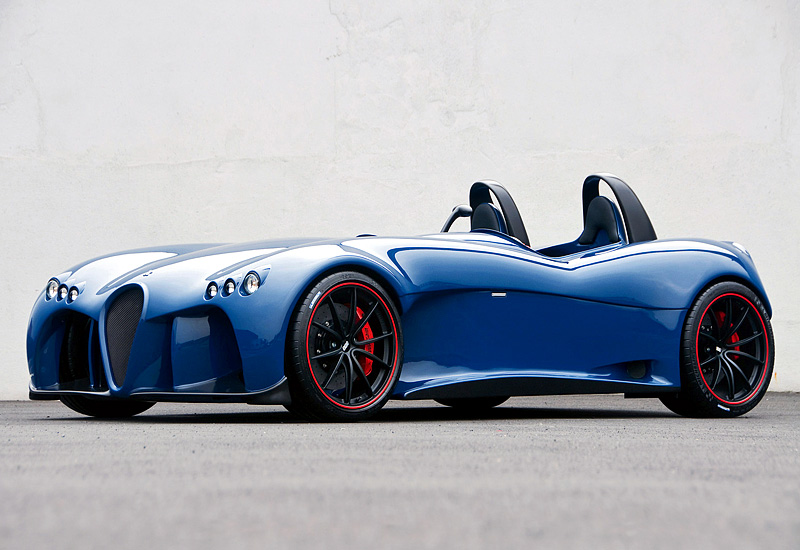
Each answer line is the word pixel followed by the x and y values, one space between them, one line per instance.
pixel 249 285
pixel 55 290
pixel 52 289
pixel 229 287
pixel 212 290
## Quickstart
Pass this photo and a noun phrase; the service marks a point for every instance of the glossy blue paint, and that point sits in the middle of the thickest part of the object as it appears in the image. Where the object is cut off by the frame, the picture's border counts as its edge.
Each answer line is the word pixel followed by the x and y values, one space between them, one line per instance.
pixel 474 306
pixel 537 335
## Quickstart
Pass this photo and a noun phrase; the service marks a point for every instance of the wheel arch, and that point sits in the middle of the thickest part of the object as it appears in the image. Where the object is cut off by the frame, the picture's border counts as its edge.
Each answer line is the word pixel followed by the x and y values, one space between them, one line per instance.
pixel 370 271
pixel 301 316
pixel 384 279
pixel 696 397
pixel 741 280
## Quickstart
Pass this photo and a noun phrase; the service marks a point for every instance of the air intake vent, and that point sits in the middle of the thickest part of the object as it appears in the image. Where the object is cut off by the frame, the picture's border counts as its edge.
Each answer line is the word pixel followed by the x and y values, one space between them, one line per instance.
pixel 80 362
pixel 121 322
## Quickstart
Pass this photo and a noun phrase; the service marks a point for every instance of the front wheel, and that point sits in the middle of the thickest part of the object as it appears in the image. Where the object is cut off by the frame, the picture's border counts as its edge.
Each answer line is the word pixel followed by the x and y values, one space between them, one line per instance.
pixel 345 349
pixel 727 354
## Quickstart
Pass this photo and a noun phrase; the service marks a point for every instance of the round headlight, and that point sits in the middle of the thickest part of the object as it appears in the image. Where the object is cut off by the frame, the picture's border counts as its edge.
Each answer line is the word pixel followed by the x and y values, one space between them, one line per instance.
pixel 52 289
pixel 229 287
pixel 73 294
pixel 62 292
pixel 251 283
pixel 212 290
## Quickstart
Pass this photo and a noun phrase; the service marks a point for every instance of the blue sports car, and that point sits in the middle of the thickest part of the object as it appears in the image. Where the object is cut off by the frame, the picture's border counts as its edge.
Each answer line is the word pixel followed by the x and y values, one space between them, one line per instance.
pixel 332 329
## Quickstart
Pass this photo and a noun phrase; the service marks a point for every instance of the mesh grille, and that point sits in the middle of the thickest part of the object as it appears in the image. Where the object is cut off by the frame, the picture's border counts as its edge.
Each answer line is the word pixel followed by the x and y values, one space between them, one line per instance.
pixel 121 322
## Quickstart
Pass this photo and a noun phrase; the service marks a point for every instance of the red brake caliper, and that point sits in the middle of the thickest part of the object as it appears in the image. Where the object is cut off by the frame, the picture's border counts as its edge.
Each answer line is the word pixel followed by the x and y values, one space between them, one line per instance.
pixel 366 334
pixel 734 337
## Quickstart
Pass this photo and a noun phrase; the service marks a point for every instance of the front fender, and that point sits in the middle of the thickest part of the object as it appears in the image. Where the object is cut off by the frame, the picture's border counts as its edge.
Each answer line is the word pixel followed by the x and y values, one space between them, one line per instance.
pixel 261 321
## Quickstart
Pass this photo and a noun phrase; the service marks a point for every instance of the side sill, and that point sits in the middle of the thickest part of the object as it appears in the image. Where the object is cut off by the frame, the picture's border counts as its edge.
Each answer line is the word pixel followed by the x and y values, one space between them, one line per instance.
pixel 533 385
pixel 650 395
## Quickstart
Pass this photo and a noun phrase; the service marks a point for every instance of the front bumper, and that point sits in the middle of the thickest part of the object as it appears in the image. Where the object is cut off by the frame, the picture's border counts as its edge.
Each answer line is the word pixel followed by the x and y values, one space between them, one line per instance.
pixel 276 395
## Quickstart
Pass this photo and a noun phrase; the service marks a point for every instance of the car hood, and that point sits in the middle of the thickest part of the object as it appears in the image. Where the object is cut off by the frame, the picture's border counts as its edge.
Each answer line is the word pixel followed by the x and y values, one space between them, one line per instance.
pixel 110 271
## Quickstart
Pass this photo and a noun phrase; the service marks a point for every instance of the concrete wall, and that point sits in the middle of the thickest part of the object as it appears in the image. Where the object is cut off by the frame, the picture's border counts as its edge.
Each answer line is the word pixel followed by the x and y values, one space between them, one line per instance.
pixel 126 124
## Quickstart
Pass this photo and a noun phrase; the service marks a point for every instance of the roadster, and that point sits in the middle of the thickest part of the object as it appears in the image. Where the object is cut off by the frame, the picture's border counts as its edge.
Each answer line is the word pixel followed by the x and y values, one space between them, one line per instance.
pixel 332 329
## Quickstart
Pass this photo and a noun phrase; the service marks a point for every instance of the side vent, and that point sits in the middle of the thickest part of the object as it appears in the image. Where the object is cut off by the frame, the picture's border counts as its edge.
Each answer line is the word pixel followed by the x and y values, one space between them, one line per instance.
pixel 122 320
pixel 80 362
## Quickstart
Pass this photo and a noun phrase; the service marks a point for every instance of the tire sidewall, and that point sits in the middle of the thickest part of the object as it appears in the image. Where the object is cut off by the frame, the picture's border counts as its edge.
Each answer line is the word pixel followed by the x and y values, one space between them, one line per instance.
pixel 697 396
pixel 307 398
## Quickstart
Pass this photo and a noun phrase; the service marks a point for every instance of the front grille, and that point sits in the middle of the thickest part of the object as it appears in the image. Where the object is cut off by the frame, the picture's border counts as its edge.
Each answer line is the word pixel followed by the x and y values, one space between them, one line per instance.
pixel 121 322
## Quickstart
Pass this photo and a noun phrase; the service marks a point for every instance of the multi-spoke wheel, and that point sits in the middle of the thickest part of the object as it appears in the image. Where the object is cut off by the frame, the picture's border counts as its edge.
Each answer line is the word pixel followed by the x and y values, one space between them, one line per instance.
pixel 345 349
pixel 727 354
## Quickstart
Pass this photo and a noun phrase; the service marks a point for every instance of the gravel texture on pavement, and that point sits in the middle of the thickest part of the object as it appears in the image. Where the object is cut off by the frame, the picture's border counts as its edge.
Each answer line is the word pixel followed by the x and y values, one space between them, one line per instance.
pixel 544 472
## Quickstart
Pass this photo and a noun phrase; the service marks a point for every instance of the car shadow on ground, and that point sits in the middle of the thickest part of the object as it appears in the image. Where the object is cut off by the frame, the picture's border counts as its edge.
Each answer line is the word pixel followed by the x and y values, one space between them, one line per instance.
pixel 275 415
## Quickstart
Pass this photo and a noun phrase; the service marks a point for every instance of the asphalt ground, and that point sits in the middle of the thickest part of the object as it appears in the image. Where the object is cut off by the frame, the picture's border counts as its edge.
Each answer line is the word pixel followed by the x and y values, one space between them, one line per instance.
pixel 543 472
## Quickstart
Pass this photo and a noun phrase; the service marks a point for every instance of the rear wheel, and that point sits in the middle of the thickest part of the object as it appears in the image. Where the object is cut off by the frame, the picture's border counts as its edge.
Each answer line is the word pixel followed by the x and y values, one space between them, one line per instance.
pixel 727 354
pixel 105 408
pixel 345 349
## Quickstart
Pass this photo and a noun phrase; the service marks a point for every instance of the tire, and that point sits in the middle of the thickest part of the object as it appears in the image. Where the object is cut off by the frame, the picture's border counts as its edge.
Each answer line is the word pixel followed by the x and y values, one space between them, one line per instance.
pixel 343 361
pixel 105 408
pixel 472 404
pixel 727 354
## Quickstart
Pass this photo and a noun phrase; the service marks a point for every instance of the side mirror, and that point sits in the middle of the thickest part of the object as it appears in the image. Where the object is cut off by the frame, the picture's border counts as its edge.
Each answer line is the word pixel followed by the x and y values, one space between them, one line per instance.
pixel 460 211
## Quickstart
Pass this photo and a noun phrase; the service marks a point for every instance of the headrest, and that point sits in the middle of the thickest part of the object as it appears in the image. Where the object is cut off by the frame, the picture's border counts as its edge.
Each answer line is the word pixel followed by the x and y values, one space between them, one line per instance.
pixel 602 215
pixel 487 216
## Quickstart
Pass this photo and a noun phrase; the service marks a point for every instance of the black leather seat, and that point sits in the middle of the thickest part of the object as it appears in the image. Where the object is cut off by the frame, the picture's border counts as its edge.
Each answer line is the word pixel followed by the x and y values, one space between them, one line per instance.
pixel 602 223
pixel 487 216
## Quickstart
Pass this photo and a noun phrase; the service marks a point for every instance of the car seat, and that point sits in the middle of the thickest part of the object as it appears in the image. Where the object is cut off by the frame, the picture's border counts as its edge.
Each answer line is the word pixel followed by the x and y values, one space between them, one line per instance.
pixel 603 223
pixel 488 216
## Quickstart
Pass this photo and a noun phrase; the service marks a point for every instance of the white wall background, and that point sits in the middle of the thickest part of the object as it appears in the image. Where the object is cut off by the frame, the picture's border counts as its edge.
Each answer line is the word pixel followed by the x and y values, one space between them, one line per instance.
pixel 127 124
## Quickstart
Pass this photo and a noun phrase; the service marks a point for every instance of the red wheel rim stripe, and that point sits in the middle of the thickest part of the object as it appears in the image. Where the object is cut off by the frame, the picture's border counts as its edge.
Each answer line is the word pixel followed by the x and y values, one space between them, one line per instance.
pixel 766 355
pixel 396 350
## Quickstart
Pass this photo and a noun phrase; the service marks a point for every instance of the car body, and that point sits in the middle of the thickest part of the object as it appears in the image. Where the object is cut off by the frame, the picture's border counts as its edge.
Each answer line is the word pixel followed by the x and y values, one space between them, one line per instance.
pixel 482 315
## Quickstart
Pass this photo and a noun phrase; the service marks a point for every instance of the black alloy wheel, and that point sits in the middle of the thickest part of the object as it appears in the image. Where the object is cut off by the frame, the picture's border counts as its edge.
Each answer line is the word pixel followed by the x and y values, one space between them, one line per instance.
pixel 730 325
pixel 345 349
pixel 727 354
